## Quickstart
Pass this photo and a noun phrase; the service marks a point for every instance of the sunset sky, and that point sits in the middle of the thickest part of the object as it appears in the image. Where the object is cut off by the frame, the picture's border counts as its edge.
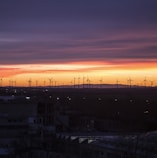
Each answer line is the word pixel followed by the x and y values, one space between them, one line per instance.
pixel 98 40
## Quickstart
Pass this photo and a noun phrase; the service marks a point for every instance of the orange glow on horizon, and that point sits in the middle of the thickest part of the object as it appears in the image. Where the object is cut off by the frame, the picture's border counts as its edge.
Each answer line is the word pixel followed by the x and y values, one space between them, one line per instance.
pixel 79 72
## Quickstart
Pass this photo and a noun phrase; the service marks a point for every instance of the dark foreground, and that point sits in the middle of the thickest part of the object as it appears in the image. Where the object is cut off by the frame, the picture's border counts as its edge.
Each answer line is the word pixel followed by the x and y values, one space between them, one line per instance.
pixel 63 122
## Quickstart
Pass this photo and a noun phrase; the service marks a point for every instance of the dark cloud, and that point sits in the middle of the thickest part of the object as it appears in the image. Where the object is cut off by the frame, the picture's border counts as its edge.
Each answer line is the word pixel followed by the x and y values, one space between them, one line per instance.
pixel 41 31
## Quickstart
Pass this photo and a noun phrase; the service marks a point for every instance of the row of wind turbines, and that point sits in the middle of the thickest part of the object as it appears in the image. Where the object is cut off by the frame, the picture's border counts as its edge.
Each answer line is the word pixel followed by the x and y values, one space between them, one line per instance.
pixel 78 82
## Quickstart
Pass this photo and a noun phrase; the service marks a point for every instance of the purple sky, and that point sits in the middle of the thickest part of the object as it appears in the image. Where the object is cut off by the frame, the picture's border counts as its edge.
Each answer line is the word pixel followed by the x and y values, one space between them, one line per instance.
pixel 57 31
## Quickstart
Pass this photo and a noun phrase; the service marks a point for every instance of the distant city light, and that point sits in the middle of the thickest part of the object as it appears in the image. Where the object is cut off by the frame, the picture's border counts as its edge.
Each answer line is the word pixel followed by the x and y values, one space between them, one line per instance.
pixel 147 101
pixel 116 99
pixel 131 100
pixel 28 98
pixel 146 112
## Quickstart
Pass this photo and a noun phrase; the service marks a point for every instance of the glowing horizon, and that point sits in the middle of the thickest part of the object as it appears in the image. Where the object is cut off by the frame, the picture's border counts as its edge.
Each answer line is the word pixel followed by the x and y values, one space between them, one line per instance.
pixel 65 74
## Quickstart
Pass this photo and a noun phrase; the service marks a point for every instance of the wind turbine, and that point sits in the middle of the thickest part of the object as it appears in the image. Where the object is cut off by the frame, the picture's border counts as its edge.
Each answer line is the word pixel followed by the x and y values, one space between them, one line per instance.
pixel 101 82
pixel 55 82
pixel 1 80
pixel 151 83
pixel 83 81
pixel 44 83
pixel 29 82
pixel 90 85
pixel 10 83
pixel 50 82
pixel 117 82
pixel 130 82
pixel 14 83
pixel 36 83
pixel 74 81
pixel 145 82
pixel 78 81
pixel 88 82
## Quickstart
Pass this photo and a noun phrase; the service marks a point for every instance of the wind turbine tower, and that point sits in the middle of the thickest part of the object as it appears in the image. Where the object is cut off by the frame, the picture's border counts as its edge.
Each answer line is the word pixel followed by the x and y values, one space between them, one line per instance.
pixel 83 82
pixel 74 81
pixel 145 82
pixel 29 82
pixel 1 82
pixel 130 82
pixel 117 82
pixel 151 83
pixel 78 82
pixel 50 82
pixel 100 83
pixel 36 83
